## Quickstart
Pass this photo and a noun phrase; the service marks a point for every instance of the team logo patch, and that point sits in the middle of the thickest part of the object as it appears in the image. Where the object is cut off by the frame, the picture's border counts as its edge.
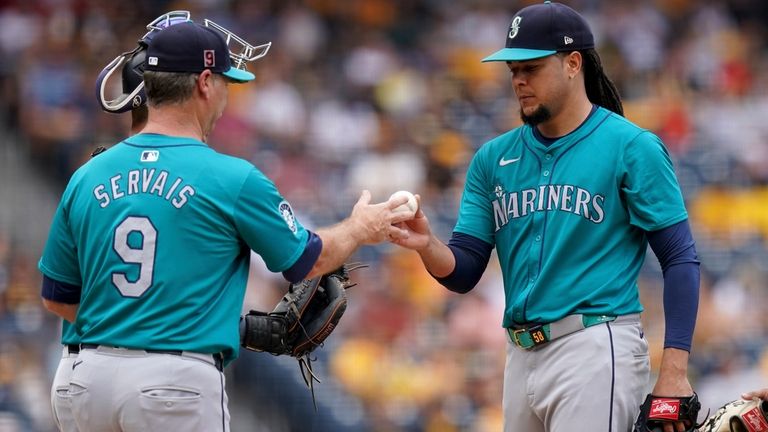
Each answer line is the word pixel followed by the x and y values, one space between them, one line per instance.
pixel 665 409
pixel 209 58
pixel 498 190
pixel 515 27
pixel 150 155
pixel 287 213
pixel 136 101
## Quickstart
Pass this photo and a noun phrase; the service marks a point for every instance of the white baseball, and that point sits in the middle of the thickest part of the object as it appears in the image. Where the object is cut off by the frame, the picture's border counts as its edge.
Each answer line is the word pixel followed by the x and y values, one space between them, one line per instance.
pixel 412 205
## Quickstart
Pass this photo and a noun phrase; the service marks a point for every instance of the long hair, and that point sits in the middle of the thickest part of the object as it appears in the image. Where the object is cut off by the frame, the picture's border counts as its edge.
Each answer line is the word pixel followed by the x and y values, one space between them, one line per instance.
pixel 600 89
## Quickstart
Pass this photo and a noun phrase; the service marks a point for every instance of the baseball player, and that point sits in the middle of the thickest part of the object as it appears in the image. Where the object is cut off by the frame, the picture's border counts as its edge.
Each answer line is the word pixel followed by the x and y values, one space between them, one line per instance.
pixel 571 200
pixel 148 252
pixel 130 66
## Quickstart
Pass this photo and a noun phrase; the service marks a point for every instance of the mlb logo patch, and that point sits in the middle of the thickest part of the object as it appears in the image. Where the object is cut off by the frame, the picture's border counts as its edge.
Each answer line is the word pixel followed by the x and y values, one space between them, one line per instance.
pixel 150 155
pixel 152 60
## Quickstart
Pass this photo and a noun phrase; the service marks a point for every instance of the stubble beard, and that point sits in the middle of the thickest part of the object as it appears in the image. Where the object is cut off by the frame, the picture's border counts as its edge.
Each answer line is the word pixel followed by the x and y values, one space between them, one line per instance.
pixel 540 115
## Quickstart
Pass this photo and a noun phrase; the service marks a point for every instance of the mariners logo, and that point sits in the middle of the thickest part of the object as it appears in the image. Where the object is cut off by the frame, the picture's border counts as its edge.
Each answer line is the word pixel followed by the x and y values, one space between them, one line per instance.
pixel 515 27
pixel 554 197
pixel 287 213
pixel 498 191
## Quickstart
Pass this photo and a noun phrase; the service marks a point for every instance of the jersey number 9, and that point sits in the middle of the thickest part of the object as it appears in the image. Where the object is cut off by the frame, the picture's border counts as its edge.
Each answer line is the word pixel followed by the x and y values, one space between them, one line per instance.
pixel 143 256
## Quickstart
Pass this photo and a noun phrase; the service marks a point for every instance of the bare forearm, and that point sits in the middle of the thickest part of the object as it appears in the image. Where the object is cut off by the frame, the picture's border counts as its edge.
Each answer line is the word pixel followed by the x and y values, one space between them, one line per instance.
pixel 368 224
pixel 673 374
pixel 437 258
pixel 66 311
pixel 674 361
pixel 339 242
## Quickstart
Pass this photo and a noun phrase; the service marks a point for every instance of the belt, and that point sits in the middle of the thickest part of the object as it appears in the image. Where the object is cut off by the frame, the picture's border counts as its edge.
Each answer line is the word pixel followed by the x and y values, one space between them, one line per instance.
pixel 528 337
pixel 218 359
pixel 72 348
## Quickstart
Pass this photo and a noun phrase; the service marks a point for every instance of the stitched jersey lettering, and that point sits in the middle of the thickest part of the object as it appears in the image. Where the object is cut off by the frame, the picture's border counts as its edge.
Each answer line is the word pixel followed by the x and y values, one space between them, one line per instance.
pixel 565 198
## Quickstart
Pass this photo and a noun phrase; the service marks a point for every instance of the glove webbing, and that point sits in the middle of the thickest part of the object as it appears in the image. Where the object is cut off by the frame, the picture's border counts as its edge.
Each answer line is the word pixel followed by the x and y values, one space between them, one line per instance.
pixel 305 361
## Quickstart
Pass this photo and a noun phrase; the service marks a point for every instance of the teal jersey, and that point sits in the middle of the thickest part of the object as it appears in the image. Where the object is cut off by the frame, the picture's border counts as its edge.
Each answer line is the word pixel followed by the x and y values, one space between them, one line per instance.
pixel 69 335
pixel 568 220
pixel 158 232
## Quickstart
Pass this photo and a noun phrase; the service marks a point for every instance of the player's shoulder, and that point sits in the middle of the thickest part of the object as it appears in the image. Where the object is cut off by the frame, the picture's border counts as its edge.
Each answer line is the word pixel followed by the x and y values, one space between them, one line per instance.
pixel 501 143
pixel 235 165
pixel 621 125
pixel 506 137
pixel 237 173
pixel 626 134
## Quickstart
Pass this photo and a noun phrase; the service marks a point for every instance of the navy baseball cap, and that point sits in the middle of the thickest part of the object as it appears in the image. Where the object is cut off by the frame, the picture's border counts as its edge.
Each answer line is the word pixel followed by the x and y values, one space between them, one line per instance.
pixel 191 47
pixel 544 29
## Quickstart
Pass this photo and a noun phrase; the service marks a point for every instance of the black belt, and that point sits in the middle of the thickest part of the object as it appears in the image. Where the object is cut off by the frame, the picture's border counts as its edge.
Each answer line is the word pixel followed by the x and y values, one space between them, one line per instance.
pixel 218 359
pixel 73 348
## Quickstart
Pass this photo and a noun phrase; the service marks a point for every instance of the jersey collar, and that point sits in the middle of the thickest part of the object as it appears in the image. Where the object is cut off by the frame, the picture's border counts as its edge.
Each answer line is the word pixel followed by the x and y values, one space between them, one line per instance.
pixel 536 141
pixel 158 140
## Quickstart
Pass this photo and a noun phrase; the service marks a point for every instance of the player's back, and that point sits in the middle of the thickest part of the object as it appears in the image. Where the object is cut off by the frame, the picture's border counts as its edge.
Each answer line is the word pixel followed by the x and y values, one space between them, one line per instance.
pixel 160 253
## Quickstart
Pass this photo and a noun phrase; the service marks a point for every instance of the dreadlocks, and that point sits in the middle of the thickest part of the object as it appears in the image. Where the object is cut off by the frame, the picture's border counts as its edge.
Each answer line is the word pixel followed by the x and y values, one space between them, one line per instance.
pixel 600 89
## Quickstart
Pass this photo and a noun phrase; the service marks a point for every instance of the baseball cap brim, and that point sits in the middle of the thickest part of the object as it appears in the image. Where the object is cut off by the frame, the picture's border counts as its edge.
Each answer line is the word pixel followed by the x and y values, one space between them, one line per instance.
pixel 239 75
pixel 517 54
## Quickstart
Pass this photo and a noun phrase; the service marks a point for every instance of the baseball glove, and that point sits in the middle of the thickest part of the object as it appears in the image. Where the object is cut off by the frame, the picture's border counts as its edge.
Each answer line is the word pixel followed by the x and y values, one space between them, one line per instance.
pixel 302 320
pixel 739 416
pixel 657 410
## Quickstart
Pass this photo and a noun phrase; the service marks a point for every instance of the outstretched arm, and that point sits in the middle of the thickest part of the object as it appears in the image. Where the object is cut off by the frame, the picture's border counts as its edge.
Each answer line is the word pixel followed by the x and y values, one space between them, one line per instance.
pixel 436 255
pixel 458 265
pixel 367 224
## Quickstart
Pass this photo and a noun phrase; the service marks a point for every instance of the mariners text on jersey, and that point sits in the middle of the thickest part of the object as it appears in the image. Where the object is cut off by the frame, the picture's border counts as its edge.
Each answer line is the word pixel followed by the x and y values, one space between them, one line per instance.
pixel 144 181
pixel 567 198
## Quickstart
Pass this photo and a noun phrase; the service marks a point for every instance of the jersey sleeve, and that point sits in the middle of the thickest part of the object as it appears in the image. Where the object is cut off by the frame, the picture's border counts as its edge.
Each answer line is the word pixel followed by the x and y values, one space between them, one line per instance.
pixel 267 223
pixel 60 259
pixel 475 213
pixel 649 184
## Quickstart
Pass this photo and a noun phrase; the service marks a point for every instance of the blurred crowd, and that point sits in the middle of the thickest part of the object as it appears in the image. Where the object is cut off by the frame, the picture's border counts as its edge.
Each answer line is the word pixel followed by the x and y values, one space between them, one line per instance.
pixel 387 95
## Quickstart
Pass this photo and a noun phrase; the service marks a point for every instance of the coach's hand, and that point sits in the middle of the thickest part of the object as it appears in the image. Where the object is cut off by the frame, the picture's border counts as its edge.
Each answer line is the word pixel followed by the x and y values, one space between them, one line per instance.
pixel 376 223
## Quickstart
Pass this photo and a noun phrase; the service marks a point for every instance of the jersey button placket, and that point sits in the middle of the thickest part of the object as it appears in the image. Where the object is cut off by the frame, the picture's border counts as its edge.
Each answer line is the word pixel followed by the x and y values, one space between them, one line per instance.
pixel 534 257
pixel 537 235
pixel 546 169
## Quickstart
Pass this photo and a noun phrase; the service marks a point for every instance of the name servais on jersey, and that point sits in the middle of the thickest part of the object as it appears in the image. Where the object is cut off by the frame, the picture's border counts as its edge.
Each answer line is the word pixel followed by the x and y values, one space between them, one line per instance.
pixel 566 198
pixel 144 181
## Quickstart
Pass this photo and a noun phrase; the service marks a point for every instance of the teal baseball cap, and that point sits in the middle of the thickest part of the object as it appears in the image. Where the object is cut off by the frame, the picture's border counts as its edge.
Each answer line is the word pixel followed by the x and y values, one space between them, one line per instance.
pixel 544 29
pixel 192 47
